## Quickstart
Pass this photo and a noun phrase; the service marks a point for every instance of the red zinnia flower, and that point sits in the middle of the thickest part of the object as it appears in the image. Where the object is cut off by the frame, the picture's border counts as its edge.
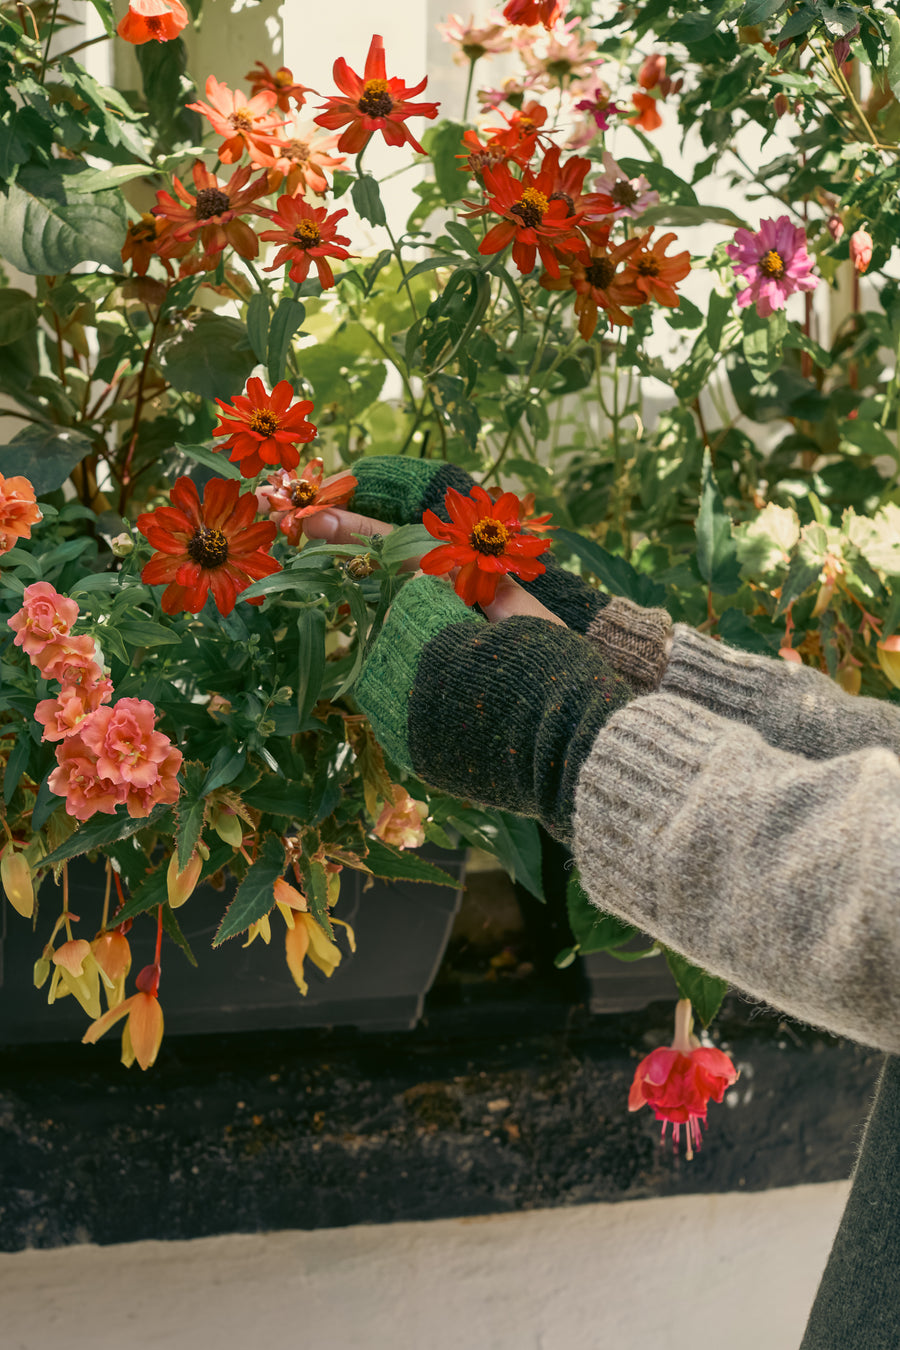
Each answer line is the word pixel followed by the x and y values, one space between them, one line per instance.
pixel 282 84
pixel 147 20
pixel 653 273
pixel 215 546
pixel 480 155
pixel 520 137
pixel 243 122
pixel 677 1081
pixel 598 285
pixel 485 540
pixel 307 234
pixel 532 222
pixel 214 213
pixel 288 498
pixel 264 428
pixel 372 103
pixel 527 13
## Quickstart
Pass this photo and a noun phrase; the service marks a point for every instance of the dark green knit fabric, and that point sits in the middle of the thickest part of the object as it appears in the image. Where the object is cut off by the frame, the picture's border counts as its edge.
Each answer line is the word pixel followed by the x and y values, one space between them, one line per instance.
pixel 858 1303
pixel 398 489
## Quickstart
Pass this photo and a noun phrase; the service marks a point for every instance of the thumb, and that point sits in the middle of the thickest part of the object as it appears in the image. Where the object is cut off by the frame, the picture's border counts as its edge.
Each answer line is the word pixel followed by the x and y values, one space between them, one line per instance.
pixel 511 598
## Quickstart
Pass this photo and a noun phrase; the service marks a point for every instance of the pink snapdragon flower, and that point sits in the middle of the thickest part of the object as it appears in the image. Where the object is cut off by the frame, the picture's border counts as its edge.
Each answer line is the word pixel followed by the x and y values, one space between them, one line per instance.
pixel 45 617
pixel 677 1081
pixel 616 195
pixel 63 716
pixel 401 820
pixel 773 262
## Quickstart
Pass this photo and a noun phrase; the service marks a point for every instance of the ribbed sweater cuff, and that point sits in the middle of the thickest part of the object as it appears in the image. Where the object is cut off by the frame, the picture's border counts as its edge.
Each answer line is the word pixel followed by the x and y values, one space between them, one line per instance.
pixel 723 679
pixel 634 641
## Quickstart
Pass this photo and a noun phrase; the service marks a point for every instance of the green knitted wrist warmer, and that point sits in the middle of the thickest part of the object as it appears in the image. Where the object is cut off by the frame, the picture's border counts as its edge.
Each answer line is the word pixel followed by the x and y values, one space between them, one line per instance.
pixel 567 596
pixel 398 489
pixel 424 609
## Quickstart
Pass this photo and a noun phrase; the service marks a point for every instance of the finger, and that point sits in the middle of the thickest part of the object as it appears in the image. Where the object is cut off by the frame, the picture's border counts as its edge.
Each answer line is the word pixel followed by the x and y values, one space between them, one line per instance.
pixel 511 599
pixel 338 527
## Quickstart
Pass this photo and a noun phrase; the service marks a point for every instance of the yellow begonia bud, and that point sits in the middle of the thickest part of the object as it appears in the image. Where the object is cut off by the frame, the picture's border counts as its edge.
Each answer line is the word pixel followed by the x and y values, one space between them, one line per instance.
pixel 15 875
pixel 889 659
pixel 228 827
pixel 181 885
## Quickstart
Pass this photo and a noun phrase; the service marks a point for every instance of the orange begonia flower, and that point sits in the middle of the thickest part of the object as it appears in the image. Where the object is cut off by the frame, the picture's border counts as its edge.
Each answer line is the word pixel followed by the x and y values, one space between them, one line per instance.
pixel 143 1031
pixel 372 103
pixel 152 20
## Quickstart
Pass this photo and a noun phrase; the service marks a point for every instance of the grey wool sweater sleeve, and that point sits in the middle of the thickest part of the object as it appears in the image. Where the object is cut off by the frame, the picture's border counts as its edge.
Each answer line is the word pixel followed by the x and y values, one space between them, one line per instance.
pixel 778 872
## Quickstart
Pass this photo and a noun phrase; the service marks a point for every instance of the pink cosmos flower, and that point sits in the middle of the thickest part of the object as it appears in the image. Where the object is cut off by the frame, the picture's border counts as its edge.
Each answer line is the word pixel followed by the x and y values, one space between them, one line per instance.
pixel 401 820
pixel 773 262
pixel 63 716
pixel 476 40
pixel 861 245
pixel 678 1081
pixel 45 617
pixel 18 511
pixel 617 195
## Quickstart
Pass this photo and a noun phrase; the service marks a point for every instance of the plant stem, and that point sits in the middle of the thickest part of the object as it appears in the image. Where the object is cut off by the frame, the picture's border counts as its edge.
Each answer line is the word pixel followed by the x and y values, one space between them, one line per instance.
pixel 138 409
pixel 465 111
pixel 79 47
pixel 397 255
pixel 43 69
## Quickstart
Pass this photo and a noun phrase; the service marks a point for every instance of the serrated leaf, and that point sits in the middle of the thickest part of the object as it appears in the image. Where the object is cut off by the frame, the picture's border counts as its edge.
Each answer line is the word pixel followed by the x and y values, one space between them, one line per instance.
pixel 315 880
pixel 287 797
pixel 394 864
pixel 717 558
pixel 227 764
pixel 705 991
pixel 173 928
pixel 190 812
pixel 254 897
pixel 16 765
pixel 99 832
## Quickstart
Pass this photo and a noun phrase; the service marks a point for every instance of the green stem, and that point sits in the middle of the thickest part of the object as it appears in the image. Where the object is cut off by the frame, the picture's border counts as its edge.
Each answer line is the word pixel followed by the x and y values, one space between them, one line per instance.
pixel 465 111
pixel 43 69
pixel 80 46
pixel 397 255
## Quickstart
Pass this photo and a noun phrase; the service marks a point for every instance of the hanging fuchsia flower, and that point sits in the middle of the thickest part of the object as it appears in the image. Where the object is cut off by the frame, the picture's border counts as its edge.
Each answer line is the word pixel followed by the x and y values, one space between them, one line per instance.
pixel 861 245
pixel 773 262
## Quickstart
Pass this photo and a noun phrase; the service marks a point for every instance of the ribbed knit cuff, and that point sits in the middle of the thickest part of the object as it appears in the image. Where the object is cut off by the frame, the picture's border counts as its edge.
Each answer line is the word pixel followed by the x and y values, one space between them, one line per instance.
pixel 723 679
pixel 634 641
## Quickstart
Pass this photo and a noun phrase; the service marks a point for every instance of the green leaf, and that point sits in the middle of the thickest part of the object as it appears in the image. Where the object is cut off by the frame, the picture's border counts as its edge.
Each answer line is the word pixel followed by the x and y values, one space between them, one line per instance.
pixel 758 11
pixel 717 558
pixel 190 812
pixel 254 897
pixel 48 226
pixel 286 320
pixel 284 797
pixel 763 342
pixel 443 143
pixel 45 455
pixel 173 928
pixel 394 864
pixel 667 183
pixel 315 880
pixel 213 459
pixel 705 991
pixel 211 358
pixel 803 18
pixel 367 200
pixel 16 765
pixel 311 667
pixel 617 574
pixel 718 312
pixel 409 541
pixel 593 930
pixel 893 64
pixel 18 315
pixel 681 216
pixel 258 324
pixel 99 832
pixel 96 180
pixel 227 764
pixel 803 573
pixel 513 840
pixel 107 18
pixel 146 633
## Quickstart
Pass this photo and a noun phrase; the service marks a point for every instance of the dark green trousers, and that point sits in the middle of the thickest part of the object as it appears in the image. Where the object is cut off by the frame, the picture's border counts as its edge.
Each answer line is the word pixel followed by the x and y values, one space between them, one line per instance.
pixel 858 1303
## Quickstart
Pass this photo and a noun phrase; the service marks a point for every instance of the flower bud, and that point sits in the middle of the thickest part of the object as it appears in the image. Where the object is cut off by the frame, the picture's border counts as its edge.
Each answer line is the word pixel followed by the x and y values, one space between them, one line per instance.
pixel 360 566
pixel 180 886
pixel 823 599
pixel 652 71
pixel 841 48
pixel 228 827
pixel 788 654
pixel 122 545
pixel 781 104
pixel 15 874
pixel 850 679
pixel 861 245
pixel 888 651
pixel 835 227
pixel 41 970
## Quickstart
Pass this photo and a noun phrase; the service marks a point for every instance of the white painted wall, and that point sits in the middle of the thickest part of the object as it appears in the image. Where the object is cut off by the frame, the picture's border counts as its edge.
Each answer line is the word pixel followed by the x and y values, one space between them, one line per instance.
pixel 675 1274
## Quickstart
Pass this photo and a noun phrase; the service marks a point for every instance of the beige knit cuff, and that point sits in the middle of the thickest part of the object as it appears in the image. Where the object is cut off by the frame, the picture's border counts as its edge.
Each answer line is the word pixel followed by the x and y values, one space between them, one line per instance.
pixel 635 641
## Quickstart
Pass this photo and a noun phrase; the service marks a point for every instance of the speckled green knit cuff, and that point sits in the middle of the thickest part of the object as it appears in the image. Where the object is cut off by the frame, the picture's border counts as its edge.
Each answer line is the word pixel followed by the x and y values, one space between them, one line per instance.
pixel 424 609
pixel 567 596
pixel 398 489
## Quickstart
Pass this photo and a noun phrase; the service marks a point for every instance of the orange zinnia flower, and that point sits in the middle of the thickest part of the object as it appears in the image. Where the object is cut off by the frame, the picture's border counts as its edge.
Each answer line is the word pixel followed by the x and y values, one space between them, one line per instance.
pixel 244 122
pixel 142 241
pixel 648 119
pixel 143 1032
pixel 653 273
pixel 282 84
pixel 372 103
pixel 485 540
pixel 288 498
pixel 214 547
pixel 532 222
pixel 264 428
pixel 308 234
pixel 214 213
pixel 527 13
pixel 520 137
pixel 480 155
pixel 302 161
pixel 598 285
pixel 147 20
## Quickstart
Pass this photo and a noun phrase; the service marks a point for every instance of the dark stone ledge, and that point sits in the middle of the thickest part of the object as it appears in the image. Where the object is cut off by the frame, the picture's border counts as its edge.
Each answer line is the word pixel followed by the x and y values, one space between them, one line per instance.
pixel 499 1101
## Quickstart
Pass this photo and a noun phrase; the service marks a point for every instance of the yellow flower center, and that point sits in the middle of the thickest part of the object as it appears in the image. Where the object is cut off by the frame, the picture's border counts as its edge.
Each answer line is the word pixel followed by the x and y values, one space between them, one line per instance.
pixel 526 126
pixel 303 493
pixel 264 422
pixel 376 99
pixel 772 264
pixel 144 230
pixel 306 232
pixel 530 208
pixel 241 119
pixel 207 547
pixel 489 536
pixel 283 78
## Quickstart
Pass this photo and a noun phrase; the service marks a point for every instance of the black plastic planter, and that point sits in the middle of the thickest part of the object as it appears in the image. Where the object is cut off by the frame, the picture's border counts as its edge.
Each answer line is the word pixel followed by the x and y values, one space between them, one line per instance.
pixel 401 932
